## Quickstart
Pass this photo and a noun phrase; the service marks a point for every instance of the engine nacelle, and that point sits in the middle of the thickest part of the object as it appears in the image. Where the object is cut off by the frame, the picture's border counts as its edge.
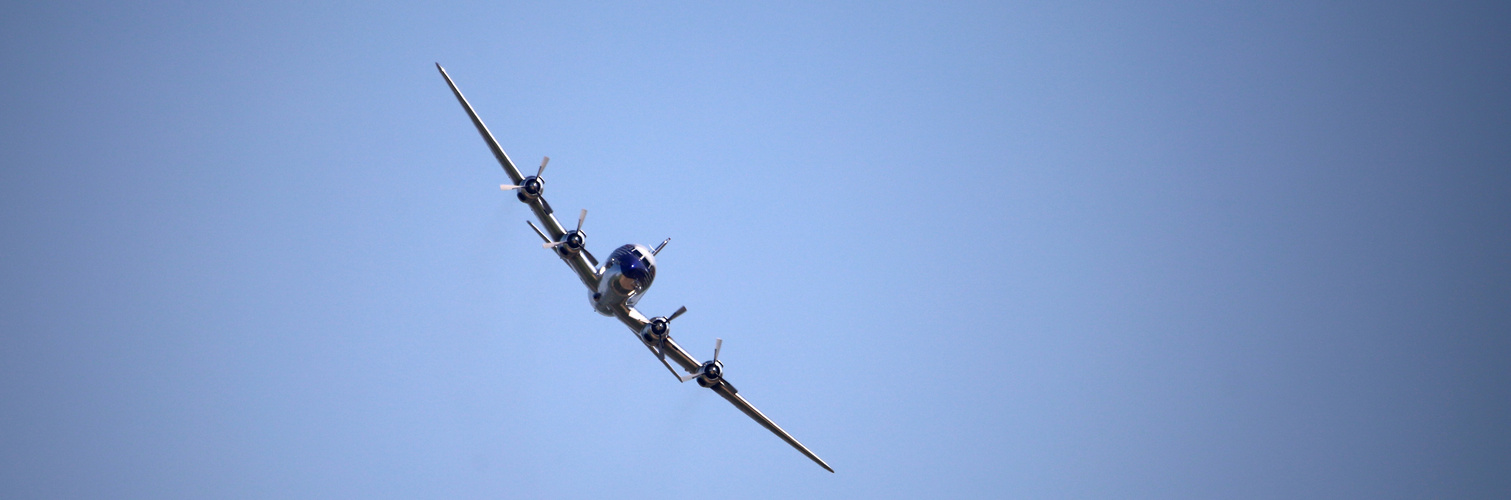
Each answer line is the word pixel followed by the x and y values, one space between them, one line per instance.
pixel 572 243
pixel 713 372
pixel 531 189
pixel 656 330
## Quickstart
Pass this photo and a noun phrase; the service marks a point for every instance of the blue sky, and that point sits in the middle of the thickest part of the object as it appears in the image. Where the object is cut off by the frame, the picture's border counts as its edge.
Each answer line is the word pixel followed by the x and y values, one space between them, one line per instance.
pixel 1057 250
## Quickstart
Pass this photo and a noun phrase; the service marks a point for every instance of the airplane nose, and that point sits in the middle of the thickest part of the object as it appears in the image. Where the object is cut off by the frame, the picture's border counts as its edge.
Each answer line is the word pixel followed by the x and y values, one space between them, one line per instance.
pixel 632 268
pixel 633 263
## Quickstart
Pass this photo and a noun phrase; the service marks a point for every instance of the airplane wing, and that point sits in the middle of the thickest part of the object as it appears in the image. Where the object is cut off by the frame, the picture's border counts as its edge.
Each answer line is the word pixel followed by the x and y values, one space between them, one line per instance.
pixel 729 393
pixel 498 152
pixel 582 262
pixel 636 322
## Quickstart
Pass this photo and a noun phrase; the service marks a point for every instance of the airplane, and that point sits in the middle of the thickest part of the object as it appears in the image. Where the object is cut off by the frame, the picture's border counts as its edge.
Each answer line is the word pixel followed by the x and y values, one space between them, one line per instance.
pixel 616 286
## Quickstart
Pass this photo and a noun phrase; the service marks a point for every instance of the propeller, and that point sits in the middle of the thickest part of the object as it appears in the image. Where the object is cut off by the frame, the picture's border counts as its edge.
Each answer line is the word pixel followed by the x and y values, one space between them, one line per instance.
pixel 575 240
pixel 657 332
pixel 533 184
pixel 712 369
pixel 580 217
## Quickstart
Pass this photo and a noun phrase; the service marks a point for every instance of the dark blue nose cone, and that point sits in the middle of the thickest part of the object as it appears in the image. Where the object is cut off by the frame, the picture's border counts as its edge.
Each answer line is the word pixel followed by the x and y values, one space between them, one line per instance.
pixel 632 267
pixel 634 263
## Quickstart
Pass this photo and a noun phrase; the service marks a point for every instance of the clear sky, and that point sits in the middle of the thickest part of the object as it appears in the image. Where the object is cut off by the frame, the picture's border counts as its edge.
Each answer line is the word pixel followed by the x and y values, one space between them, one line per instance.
pixel 1054 250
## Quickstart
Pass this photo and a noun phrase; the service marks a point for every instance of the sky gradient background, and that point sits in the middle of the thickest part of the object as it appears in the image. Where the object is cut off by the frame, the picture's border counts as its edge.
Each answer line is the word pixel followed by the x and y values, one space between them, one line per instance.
pixel 1057 250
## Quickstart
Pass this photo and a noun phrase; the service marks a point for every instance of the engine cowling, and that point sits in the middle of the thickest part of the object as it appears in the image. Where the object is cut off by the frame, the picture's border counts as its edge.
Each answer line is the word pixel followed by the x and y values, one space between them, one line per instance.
pixel 572 243
pixel 531 189
pixel 656 330
pixel 713 372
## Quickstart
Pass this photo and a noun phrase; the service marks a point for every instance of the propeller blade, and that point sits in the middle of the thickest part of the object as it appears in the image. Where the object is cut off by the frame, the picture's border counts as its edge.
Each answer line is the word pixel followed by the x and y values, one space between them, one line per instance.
pixel 581 217
pixel 507 187
pixel 553 244
pixel 686 378
pixel 543 163
pixel 718 343
pixel 674 315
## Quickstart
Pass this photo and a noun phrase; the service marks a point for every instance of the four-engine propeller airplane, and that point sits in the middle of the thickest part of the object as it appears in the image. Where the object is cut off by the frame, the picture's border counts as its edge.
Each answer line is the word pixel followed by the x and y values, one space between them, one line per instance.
pixel 616 286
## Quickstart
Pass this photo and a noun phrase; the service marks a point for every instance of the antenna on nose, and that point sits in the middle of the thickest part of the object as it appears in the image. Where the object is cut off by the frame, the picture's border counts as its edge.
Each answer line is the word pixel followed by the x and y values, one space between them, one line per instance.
pixel 659 247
